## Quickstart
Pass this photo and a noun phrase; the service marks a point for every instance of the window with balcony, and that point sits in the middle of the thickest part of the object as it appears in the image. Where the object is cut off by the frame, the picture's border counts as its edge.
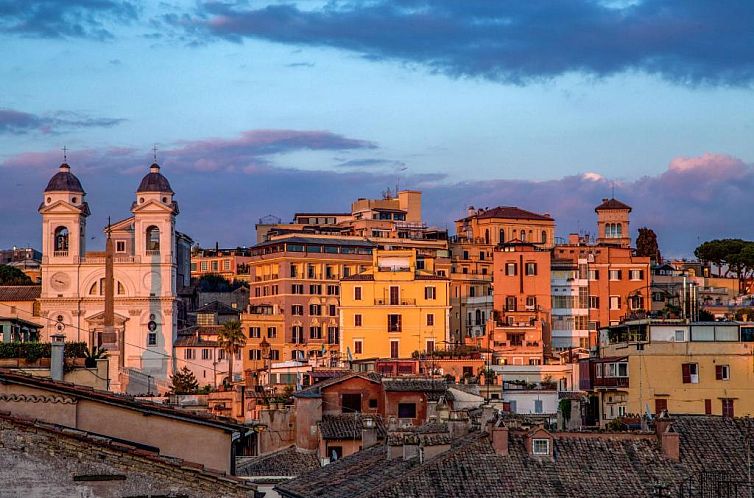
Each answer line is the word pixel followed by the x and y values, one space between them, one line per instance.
pixel 510 303
pixel 637 302
pixel 531 302
pixel 394 323
pixel 515 339
pixel 394 349
pixel 395 295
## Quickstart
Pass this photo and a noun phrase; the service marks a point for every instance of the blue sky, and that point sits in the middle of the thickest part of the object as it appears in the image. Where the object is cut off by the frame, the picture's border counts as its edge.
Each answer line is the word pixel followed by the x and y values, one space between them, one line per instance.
pixel 273 107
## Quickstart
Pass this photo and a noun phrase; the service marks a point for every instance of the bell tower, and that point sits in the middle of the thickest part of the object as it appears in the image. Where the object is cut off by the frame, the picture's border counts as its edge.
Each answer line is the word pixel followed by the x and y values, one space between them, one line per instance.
pixel 154 218
pixel 613 223
pixel 64 211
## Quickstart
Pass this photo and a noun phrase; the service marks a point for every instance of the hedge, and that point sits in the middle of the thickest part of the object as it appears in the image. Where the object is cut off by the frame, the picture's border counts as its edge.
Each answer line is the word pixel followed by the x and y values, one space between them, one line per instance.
pixel 35 350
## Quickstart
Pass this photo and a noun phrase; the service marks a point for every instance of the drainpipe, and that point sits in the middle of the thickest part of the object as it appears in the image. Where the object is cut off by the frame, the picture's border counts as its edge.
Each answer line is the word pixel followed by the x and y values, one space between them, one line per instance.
pixel 57 357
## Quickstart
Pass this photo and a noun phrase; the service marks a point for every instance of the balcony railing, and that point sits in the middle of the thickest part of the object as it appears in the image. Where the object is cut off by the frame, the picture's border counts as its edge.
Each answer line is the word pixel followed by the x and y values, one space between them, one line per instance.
pixel 59 254
pixel 610 382
pixel 153 252
pixel 392 302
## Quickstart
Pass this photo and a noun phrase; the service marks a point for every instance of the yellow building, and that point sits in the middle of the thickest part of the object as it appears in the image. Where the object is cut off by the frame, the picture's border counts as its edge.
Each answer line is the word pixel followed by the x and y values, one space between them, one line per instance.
pixel 697 368
pixel 393 308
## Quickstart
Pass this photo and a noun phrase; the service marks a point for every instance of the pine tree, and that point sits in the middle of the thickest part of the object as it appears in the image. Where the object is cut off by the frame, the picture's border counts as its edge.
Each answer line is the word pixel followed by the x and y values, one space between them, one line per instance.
pixel 184 382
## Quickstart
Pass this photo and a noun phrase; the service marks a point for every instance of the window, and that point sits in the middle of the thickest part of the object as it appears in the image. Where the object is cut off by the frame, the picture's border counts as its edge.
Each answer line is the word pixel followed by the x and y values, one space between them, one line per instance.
pixel 332 310
pixel 206 354
pixel 153 240
pixel 430 293
pixel 594 274
pixel 255 332
pixel 637 302
pixel 333 290
pixel 203 265
pixel 531 269
pixel 430 319
pixel 614 302
pixel 358 347
pixel 220 354
pixel 257 291
pixel 395 295
pixel 272 332
pixel 679 336
pixel 465 254
pixel 727 406
pixel 538 406
pixel 636 274
pixel 510 303
pixel 120 246
pixel 315 289
pixel 661 405
pixel 315 332
pixel 274 355
pixel 531 302
pixel 540 446
pixel 394 323
pixel 215 268
pixel 350 402
pixel 297 309
pixel 690 373
pixel 430 347
pixel 544 237
pixel 357 293
pixel 722 372
pixel 510 269
pixel 226 265
pixel 406 410
pixel 594 302
pixel 315 309
pixel 151 339
pixel 297 289
pixel 189 354
pixel 310 273
pixel 294 270
pixel 394 349
pixel 61 239
pixel 708 407
pixel 333 336
pixel 297 334
pixel 357 320
pixel 501 236
pixel 373 403
pixel 615 274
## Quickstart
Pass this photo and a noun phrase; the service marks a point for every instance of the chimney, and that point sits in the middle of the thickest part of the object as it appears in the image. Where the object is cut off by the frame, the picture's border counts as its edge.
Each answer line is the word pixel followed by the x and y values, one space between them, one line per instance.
pixel 458 425
pixel 671 444
pixel 662 422
pixel 500 440
pixel 605 199
pixel 471 211
pixel 368 433
pixel 488 417
pixel 57 356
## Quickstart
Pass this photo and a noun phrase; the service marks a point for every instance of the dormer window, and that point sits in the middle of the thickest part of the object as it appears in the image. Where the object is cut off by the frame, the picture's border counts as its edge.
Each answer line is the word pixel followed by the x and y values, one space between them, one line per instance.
pixel 540 447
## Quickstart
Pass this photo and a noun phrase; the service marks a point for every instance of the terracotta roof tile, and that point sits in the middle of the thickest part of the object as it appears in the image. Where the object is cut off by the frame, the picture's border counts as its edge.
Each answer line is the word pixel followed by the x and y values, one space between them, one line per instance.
pixel 348 426
pixel 287 461
pixel 20 292
pixel 612 204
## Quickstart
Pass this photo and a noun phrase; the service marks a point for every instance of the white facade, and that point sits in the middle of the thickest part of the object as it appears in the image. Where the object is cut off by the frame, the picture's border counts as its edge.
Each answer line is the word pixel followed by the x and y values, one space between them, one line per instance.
pixel 570 305
pixel 145 273
pixel 532 401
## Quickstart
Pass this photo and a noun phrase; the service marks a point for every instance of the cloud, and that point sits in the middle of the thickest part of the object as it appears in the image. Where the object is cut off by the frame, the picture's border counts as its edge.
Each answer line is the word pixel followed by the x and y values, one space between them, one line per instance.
pixel 18 122
pixel 300 64
pixel 225 185
pixel 371 163
pixel 683 41
pixel 65 19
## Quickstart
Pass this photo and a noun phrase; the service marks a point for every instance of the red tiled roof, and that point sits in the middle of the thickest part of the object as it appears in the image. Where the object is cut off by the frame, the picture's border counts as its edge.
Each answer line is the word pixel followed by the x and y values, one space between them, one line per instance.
pixel 511 213
pixel 20 292
pixel 608 204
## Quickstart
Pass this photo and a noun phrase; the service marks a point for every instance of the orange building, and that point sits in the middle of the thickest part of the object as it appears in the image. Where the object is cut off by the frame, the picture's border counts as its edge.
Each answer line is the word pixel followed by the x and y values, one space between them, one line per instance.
pixel 519 333
pixel 233 264
pixel 618 281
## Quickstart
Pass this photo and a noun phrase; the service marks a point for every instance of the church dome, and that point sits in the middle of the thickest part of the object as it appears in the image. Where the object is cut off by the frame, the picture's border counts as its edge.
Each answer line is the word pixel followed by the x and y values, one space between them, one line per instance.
pixel 154 181
pixel 64 181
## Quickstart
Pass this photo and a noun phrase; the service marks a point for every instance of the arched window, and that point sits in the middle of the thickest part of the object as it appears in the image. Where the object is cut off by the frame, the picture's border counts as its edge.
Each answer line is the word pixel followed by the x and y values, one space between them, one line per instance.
pixel 502 236
pixel 61 241
pixel 478 315
pixel 544 237
pixel 619 231
pixel 487 236
pixel 523 235
pixel 153 240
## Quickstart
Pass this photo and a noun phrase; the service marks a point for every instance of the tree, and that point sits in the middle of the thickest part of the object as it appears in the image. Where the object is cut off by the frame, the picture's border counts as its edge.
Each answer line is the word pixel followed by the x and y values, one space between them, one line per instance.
pixel 734 255
pixel 212 282
pixel 646 245
pixel 184 382
pixel 232 340
pixel 10 275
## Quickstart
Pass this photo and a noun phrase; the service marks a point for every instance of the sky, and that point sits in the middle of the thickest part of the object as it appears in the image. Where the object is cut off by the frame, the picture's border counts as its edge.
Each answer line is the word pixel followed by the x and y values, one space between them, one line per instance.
pixel 260 107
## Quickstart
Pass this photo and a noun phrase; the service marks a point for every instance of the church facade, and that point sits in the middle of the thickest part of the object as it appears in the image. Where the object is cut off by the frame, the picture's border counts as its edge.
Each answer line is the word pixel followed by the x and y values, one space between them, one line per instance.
pixel 151 260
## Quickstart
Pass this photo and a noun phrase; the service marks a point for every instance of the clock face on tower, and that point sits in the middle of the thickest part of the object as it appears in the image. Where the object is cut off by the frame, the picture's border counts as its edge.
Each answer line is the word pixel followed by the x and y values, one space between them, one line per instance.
pixel 60 281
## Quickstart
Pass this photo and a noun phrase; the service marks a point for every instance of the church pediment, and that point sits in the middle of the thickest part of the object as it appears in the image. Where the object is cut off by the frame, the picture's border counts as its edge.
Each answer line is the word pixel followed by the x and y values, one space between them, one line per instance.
pixel 99 318
pixel 153 206
pixel 61 206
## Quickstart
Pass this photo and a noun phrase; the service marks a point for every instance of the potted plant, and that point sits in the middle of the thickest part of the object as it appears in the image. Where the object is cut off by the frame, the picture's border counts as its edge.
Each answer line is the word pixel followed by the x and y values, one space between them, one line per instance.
pixel 92 355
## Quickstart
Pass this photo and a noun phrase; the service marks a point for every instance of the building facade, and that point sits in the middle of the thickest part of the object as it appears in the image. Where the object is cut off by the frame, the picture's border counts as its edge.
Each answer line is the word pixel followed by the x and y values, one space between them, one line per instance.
pixel 147 263
pixel 393 309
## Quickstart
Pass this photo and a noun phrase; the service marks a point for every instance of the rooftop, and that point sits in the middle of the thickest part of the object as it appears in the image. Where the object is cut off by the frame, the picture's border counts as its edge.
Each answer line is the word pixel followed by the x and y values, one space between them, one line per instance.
pixel 613 203
pixel 20 292
pixel 348 426
pixel 287 461
pixel 511 213
pixel 64 181
pixel 154 181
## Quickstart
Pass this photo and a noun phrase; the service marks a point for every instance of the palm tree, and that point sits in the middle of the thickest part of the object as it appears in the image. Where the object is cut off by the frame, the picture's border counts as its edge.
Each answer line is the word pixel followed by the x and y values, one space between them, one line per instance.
pixel 231 339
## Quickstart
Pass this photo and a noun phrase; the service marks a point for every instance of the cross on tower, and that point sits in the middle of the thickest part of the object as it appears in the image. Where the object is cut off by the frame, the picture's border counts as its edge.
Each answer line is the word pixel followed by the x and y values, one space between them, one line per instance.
pixel 154 152
pixel 65 154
